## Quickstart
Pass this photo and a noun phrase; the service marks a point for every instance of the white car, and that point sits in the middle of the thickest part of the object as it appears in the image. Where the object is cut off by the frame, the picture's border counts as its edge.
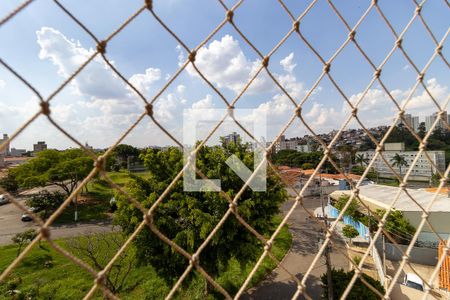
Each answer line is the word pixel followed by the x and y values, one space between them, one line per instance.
pixel 3 200
pixel 413 281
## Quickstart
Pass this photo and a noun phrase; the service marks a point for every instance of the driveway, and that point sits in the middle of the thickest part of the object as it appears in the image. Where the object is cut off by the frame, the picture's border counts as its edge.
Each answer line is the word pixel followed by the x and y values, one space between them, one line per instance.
pixel 305 236
pixel 10 225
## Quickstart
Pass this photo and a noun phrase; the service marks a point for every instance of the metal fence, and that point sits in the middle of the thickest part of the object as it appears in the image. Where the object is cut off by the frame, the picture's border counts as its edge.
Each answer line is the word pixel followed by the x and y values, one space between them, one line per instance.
pixel 297 105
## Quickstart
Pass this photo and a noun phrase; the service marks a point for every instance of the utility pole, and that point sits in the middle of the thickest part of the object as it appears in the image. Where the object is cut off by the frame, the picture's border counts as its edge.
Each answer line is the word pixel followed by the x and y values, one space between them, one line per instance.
pixel 327 252
pixel 384 255
pixel 76 200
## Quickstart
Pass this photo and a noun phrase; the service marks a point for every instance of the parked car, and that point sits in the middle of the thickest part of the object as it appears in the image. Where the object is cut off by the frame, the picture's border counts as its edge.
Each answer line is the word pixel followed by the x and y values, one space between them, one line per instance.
pixel 26 218
pixel 34 209
pixel 3 200
pixel 413 281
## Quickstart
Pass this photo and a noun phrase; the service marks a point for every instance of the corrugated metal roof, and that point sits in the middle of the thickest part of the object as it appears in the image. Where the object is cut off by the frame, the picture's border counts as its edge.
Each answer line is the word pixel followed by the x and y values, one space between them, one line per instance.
pixel 383 196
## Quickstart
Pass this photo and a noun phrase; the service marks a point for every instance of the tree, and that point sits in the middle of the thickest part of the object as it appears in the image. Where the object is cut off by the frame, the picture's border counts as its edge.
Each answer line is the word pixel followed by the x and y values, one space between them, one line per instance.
pixel 23 238
pixel 398 226
pixel 421 130
pixel 296 159
pixel 121 154
pixel 346 156
pixel 399 161
pixel 46 201
pixel 9 182
pixel 350 232
pixel 352 209
pixel 361 160
pixel 91 247
pixel 61 168
pixel 187 218
pixel 341 280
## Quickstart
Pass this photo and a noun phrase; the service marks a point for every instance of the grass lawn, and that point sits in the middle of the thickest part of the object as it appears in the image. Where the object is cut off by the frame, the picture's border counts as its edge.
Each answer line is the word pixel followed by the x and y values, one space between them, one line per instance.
pixel 65 280
pixel 94 204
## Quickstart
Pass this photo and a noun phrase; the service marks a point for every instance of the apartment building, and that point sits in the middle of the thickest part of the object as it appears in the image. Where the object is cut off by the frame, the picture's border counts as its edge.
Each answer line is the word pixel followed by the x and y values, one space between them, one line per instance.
pixel 40 146
pixel 423 169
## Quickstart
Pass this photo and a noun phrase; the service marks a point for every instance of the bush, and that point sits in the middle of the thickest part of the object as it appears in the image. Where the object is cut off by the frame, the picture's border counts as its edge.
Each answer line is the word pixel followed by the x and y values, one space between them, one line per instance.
pixel 350 232
pixel 357 259
pixel 341 279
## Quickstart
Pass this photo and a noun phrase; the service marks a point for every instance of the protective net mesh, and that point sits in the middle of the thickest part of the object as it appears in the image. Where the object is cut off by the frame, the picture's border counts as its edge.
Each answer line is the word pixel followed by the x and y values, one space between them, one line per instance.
pixel 297 105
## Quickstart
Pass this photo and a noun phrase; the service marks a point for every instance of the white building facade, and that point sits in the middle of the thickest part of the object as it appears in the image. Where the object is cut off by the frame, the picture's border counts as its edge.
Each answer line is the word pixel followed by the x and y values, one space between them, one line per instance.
pixel 422 169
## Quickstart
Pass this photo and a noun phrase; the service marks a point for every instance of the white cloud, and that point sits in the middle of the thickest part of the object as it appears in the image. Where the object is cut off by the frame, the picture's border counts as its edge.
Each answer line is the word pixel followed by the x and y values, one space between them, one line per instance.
pixel 421 102
pixel 181 89
pixel 107 104
pixel 287 63
pixel 143 82
pixel 224 63
pixel 2 84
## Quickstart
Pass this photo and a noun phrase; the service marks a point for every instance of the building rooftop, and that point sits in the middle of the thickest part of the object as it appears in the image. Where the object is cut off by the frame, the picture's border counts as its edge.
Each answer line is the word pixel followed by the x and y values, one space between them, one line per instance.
pixel 382 196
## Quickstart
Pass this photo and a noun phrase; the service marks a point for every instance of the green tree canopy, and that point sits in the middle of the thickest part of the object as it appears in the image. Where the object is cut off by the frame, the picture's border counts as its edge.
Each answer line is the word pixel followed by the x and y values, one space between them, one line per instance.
pixel 350 232
pixel 293 158
pixel 187 218
pixel 61 168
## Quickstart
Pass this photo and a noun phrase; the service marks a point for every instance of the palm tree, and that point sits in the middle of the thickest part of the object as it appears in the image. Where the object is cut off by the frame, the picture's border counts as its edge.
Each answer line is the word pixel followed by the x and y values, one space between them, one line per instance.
pixel 399 161
pixel 361 160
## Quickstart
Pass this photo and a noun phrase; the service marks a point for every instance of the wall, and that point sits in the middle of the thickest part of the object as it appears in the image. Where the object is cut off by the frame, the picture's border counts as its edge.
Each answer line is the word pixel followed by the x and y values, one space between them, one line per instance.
pixel 362 229
pixel 424 256
pixel 402 292
pixel 378 264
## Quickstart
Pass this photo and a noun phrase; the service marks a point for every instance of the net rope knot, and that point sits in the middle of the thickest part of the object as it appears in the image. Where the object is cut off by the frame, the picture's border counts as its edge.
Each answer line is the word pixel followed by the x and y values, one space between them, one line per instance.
pixel 326 67
pixel 351 35
pixel 45 108
pixel 300 287
pixel 192 55
pixel 232 206
pixel 268 246
pixel 298 111
pixel 265 61
pixel 148 219
pixel 149 4
pixel 149 109
pixel 296 26
pixel 45 232
pixel 377 73
pixel 99 163
pixel 230 111
pixel 100 278
pixel 418 9
pixel 420 77
pixel 194 259
pixel 230 15
pixel 101 47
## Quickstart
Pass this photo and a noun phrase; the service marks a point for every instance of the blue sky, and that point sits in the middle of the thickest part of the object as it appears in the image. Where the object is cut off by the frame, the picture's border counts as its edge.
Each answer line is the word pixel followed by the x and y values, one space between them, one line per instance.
pixel 45 46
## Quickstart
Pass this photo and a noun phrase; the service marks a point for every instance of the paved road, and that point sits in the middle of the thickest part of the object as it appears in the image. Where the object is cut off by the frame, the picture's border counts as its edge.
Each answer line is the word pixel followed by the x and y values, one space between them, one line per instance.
pixel 305 233
pixel 10 224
